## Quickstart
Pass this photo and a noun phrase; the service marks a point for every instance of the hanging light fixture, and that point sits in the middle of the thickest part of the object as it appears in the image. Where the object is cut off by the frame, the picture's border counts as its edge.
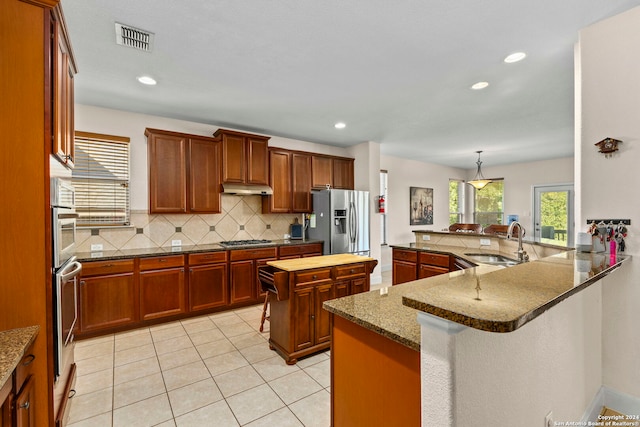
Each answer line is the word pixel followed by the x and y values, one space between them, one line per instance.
pixel 479 181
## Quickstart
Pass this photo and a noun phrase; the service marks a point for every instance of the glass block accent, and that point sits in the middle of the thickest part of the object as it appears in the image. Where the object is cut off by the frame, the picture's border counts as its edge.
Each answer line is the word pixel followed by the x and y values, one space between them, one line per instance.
pixel 242 227
pixel 268 226
pixel 212 228
pixel 139 230
pixel 95 231
pixel 178 229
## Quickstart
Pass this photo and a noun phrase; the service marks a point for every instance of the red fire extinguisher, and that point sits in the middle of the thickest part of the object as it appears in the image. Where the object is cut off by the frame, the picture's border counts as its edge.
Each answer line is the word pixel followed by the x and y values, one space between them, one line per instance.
pixel 381 204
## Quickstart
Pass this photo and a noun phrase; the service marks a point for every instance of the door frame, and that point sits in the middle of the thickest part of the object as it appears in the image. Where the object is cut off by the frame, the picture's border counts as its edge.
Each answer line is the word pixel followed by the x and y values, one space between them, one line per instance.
pixel 537 190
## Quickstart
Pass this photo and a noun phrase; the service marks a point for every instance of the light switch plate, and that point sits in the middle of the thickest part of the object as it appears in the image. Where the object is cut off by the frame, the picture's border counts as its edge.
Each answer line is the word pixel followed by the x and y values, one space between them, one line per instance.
pixel 176 243
pixel 426 237
pixel 96 247
pixel 485 242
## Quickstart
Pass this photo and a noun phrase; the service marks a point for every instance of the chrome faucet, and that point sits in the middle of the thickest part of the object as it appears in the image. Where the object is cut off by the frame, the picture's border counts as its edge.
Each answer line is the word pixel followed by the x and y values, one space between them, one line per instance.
pixel 522 254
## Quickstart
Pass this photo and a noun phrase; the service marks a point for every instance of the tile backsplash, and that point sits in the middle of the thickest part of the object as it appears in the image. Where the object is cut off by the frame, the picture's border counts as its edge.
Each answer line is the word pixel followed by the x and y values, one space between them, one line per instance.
pixel 241 218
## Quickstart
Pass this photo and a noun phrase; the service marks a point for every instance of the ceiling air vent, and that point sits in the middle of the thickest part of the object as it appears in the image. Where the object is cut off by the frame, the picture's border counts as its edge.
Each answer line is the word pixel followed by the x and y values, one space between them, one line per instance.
pixel 134 37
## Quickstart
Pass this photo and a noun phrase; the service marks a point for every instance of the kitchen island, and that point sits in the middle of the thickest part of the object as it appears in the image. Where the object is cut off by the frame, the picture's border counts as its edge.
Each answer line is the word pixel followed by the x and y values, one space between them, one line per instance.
pixel 487 298
pixel 298 288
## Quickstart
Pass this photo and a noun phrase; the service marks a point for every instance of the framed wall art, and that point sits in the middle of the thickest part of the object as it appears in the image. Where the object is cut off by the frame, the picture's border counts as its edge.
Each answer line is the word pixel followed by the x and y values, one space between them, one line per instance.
pixel 420 206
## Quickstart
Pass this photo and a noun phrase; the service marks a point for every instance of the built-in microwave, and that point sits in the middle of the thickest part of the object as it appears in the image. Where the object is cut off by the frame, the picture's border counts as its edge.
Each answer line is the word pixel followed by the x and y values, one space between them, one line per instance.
pixel 63 221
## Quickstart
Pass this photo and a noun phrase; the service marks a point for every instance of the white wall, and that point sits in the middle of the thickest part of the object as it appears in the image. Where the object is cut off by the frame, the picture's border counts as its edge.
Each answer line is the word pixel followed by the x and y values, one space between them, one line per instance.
pixel 132 125
pixel 610 107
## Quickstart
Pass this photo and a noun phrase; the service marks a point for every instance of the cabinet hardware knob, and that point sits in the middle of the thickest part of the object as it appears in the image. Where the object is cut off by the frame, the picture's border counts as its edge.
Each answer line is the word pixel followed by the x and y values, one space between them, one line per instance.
pixel 82 283
pixel 352 271
pixel 108 265
pixel 315 277
pixel 29 359
pixel 163 260
pixel 191 270
pixel 25 405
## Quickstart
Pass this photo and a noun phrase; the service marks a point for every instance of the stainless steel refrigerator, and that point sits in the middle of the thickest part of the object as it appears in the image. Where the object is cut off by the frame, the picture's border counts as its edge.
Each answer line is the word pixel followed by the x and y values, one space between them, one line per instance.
pixel 341 219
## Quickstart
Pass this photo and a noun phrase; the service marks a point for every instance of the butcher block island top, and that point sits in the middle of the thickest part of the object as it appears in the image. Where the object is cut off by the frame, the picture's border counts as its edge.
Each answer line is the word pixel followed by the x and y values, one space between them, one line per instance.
pixel 318 262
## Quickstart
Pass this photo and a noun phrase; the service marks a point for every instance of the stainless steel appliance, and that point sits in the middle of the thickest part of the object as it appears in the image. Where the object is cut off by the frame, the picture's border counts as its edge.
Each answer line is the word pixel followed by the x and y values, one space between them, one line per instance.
pixel 66 271
pixel 341 219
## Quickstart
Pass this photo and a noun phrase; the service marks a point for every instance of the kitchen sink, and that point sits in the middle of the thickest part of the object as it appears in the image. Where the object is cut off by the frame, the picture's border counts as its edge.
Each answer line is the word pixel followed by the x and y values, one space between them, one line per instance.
pixel 493 259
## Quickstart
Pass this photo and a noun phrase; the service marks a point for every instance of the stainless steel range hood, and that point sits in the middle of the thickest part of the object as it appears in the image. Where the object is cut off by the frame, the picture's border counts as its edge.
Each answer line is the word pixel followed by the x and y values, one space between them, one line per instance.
pixel 242 189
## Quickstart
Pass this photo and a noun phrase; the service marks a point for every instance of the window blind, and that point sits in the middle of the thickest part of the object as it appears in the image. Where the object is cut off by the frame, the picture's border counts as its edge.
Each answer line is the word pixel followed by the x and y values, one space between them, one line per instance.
pixel 101 179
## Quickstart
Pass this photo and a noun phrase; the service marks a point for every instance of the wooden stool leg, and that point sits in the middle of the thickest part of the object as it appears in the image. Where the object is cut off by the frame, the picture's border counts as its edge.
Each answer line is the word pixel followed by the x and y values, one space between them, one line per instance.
pixel 264 312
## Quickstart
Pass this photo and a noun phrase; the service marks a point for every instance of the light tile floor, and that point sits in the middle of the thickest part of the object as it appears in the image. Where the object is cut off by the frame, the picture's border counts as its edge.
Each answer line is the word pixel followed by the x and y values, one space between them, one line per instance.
pixel 213 370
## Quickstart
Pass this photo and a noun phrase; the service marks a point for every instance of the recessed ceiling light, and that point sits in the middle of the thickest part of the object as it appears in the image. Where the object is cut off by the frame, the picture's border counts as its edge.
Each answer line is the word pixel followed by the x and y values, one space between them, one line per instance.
pixel 340 125
pixel 515 57
pixel 146 80
pixel 479 85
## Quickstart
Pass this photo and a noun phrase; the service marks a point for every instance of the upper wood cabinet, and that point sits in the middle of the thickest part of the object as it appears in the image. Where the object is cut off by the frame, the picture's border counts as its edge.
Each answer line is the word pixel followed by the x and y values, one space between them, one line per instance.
pixel 334 171
pixel 290 179
pixel 64 69
pixel 244 157
pixel 184 173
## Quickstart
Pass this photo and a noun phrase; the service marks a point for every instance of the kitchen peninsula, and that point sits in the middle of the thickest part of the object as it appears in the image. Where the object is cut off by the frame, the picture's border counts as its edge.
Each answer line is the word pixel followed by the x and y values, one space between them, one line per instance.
pixel 379 332
pixel 298 288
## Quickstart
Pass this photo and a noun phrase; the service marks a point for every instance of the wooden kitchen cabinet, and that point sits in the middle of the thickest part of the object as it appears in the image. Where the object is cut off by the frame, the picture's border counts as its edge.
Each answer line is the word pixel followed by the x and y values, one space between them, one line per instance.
pixel 433 264
pixel 162 287
pixel 290 179
pixel 107 295
pixel 300 251
pixel 17 394
pixel 208 286
pixel 405 266
pixel 244 157
pixel 243 273
pixel 64 68
pixel 334 171
pixel 184 172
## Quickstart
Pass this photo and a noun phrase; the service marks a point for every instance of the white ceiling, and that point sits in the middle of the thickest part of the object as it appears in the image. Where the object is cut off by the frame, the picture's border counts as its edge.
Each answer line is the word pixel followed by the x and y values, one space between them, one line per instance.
pixel 396 72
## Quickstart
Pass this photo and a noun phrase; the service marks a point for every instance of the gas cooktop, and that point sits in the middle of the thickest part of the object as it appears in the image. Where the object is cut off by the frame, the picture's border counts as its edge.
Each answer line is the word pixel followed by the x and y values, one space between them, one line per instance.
pixel 245 242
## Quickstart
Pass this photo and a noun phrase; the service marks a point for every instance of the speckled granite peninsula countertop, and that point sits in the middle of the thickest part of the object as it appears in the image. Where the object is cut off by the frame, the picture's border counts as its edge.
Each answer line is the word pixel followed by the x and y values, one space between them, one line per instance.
pixel 486 297
pixel 178 250
pixel 13 344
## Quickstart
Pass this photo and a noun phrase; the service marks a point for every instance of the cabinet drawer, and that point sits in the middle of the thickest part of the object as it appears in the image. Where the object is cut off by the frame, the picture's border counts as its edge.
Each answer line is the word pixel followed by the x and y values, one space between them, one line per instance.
pixel 243 254
pixel 405 255
pixel 300 250
pixel 309 277
pixel 207 258
pixel 156 263
pixel 350 270
pixel 103 268
pixel 25 367
pixel 440 260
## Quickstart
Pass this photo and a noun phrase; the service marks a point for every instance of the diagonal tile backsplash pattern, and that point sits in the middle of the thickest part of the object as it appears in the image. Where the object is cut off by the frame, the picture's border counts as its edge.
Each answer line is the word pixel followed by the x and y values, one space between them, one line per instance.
pixel 241 219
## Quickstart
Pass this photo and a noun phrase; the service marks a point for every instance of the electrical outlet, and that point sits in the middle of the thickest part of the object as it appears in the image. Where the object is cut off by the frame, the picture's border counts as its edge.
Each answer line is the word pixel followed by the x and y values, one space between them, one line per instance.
pixel 548 420
pixel 485 242
pixel 426 237
pixel 96 247
pixel 176 243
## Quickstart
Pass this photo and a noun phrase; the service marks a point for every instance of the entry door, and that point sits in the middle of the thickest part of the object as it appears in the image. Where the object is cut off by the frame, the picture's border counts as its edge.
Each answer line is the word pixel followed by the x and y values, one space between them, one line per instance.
pixel 553 216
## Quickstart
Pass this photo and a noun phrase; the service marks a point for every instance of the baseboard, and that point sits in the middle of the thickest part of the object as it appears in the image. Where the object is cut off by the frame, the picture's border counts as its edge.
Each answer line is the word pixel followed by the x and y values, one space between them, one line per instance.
pixel 613 399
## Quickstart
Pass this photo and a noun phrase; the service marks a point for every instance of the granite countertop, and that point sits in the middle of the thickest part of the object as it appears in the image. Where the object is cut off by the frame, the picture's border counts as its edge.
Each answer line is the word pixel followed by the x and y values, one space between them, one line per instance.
pixel 489 298
pixel 178 250
pixel 13 344
pixel 308 263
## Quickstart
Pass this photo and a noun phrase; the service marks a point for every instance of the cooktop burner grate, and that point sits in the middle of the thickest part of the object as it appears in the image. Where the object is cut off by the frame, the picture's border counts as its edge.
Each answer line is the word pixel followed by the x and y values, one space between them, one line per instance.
pixel 245 242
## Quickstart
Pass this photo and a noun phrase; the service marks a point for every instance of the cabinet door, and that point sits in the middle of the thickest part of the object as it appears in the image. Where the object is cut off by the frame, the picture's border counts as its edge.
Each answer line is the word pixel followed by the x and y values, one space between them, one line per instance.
pixel 63 99
pixel 429 271
pixel 259 263
pixel 257 161
pixel 343 173
pixel 303 322
pixel 301 182
pixel 25 405
pixel 107 301
pixel 208 287
pixel 341 289
pixel 404 271
pixel 322 319
pixel 242 280
pixel 321 172
pixel 280 181
pixel 167 173
pixel 162 293
pixel 358 286
pixel 233 159
pixel 204 176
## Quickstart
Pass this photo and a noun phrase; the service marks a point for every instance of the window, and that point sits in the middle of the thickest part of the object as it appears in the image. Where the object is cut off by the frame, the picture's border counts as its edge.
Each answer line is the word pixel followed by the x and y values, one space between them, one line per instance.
pixel 489 204
pixel 456 201
pixel 101 179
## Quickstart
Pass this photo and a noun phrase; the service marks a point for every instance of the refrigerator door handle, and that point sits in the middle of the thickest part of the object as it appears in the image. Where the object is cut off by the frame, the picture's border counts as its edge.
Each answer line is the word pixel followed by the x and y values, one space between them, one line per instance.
pixel 353 222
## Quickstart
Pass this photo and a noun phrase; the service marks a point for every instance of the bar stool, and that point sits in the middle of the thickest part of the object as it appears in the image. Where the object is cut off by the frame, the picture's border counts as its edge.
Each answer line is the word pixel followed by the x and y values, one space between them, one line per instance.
pixel 264 312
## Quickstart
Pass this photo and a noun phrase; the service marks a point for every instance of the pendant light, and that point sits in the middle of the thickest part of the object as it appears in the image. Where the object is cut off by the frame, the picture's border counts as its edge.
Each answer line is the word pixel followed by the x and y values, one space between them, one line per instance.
pixel 479 181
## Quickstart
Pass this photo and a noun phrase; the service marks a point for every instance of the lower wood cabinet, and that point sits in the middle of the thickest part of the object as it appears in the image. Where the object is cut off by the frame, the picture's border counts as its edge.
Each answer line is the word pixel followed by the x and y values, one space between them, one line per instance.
pixel 17 395
pixel 208 281
pixel 405 264
pixel 243 273
pixel 162 291
pixel 409 265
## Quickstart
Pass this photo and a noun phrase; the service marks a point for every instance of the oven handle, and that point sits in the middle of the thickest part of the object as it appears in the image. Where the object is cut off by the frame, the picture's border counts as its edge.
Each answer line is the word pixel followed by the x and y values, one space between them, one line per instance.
pixel 68 215
pixel 75 267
